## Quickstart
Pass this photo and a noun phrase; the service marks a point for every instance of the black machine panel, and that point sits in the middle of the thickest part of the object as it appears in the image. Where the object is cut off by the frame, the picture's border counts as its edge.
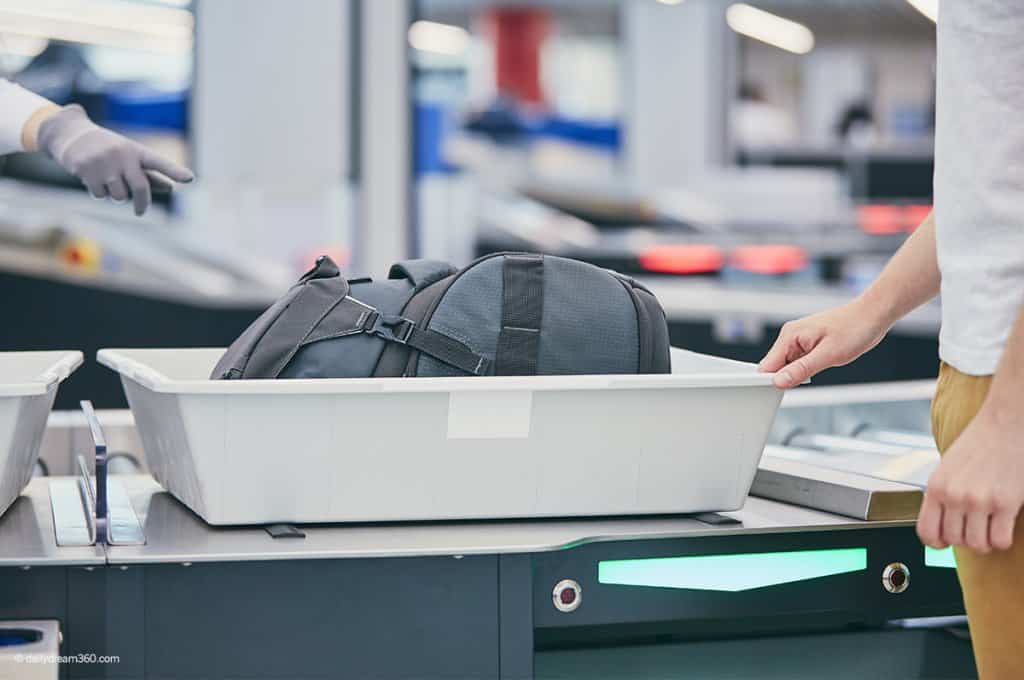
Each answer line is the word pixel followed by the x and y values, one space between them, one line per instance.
pixel 749 595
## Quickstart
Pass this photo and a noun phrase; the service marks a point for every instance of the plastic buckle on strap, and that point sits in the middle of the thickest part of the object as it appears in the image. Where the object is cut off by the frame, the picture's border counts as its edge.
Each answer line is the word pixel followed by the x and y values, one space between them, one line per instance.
pixel 391 328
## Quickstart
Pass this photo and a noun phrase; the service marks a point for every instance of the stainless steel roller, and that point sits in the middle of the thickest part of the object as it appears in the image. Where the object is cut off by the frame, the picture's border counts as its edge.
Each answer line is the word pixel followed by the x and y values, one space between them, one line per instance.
pixel 912 466
pixel 834 442
pixel 908 438
pixel 123 464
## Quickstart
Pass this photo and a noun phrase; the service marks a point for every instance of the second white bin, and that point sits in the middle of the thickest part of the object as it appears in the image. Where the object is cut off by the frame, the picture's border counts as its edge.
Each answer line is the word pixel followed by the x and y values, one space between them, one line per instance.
pixel 28 386
pixel 382 449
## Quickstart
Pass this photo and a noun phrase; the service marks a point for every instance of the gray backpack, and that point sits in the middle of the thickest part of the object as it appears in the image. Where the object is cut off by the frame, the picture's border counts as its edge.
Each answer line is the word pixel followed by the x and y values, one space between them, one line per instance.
pixel 504 314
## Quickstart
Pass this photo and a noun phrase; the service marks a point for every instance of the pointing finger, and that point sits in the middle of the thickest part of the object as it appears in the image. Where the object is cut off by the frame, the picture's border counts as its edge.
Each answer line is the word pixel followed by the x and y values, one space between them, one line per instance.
pixel 158 183
pixel 178 173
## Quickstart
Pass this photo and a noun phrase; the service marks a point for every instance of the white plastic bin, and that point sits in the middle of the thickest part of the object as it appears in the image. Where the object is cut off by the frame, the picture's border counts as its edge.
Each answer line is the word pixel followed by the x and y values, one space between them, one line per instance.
pixel 28 386
pixel 341 450
pixel 30 650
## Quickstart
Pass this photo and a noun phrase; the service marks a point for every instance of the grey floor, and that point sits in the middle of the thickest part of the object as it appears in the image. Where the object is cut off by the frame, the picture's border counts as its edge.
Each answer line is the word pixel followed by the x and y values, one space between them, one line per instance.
pixel 881 655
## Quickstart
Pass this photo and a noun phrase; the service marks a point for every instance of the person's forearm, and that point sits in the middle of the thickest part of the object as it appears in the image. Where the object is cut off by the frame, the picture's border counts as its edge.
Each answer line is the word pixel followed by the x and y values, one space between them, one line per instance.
pixel 909 280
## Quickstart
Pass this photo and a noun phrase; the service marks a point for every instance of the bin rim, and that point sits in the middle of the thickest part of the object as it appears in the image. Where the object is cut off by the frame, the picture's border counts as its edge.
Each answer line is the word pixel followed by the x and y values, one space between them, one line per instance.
pixel 64 364
pixel 131 368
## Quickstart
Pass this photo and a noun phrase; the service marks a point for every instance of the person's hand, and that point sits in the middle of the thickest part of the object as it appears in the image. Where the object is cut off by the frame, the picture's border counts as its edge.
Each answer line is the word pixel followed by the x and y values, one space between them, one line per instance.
pixel 832 338
pixel 107 163
pixel 974 496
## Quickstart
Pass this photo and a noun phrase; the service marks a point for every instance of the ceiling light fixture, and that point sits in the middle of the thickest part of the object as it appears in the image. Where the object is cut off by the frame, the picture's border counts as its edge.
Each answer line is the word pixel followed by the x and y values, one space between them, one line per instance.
pixel 768 28
pixel 430 36
pixel 100 22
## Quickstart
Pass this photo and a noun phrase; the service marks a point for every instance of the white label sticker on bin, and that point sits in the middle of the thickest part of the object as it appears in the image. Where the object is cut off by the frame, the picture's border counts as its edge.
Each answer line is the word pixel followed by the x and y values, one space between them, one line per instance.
pixel 489 415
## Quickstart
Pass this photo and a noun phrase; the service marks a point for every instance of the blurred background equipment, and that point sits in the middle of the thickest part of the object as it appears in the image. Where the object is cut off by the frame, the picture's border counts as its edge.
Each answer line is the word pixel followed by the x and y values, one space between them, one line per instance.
pixel 749 161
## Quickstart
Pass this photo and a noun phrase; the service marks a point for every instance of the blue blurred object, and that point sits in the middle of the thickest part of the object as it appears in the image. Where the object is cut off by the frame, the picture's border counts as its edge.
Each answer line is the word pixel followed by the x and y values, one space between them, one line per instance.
pixel 604 135
pixel 911 121
pixel 807 276
pixel 18 637
pixel 432 126
pixel 501 121
pixel 138 105
pixel 506 123
pixel 61 74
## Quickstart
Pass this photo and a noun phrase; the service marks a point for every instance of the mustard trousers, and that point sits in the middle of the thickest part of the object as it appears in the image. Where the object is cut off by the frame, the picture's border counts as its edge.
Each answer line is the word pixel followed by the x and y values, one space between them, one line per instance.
pixel 993 584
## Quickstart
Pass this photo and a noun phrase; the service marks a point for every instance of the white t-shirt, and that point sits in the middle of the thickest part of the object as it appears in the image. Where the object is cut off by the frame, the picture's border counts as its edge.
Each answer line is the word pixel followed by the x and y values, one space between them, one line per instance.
pixel 16 106
pixel 979 178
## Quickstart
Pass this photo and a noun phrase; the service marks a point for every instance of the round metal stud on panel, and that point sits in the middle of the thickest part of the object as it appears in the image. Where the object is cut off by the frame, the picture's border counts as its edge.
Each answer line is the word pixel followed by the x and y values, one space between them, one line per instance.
pixel 896 577
pixel 567 595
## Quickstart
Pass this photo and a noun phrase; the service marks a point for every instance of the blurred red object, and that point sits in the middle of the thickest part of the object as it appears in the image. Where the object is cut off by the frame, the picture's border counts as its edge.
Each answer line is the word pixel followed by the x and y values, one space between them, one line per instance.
pixel 884 218
pixel 81 253
pixel 881 219
pixel 682 259
pixel 916 214
pixel 769 259
pixel 519 35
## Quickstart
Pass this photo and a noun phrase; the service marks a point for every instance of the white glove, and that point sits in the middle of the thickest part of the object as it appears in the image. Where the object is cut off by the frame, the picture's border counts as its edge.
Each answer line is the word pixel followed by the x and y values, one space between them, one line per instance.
pixel 107 163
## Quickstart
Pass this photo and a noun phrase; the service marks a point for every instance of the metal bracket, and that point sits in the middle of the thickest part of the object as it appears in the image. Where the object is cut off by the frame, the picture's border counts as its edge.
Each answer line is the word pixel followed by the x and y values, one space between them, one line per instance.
pixel 284 531
pixel 716 519
pixel 89 511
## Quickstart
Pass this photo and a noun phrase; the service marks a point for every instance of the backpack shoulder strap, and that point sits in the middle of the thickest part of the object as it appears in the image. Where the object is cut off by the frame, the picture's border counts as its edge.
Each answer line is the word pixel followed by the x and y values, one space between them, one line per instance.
pixel 267 346
pixel 420 273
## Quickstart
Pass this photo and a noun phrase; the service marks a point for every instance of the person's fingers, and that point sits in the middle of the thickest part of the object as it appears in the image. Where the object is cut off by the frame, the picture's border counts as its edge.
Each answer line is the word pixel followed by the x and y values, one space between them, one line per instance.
pixel 1001 529
pixel 138 183
pixel 953 524
pixel 158 183
pixel 976 531
pixel 117 189
pixel 96 189
pixel 803 368
pixel 776 356
pixel 178 173
pixel 929 522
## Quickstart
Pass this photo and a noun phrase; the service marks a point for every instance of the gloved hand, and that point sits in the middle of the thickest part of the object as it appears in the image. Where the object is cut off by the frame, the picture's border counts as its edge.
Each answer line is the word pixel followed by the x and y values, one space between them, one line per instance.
pixel 107 163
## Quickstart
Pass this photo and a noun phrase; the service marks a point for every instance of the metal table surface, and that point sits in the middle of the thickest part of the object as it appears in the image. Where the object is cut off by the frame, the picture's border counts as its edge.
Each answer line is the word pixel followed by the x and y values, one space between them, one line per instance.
pixel 27 538
pixel 175 535
pixel 255 606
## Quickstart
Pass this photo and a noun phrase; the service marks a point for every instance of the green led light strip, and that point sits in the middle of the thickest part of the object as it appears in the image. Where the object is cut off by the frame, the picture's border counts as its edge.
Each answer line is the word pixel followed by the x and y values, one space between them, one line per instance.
pixel 732 573
pixel 939 558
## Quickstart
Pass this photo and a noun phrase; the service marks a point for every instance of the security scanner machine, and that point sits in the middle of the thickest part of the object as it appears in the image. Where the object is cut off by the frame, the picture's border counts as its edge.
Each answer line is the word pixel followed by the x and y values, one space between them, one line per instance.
pixel 131 573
